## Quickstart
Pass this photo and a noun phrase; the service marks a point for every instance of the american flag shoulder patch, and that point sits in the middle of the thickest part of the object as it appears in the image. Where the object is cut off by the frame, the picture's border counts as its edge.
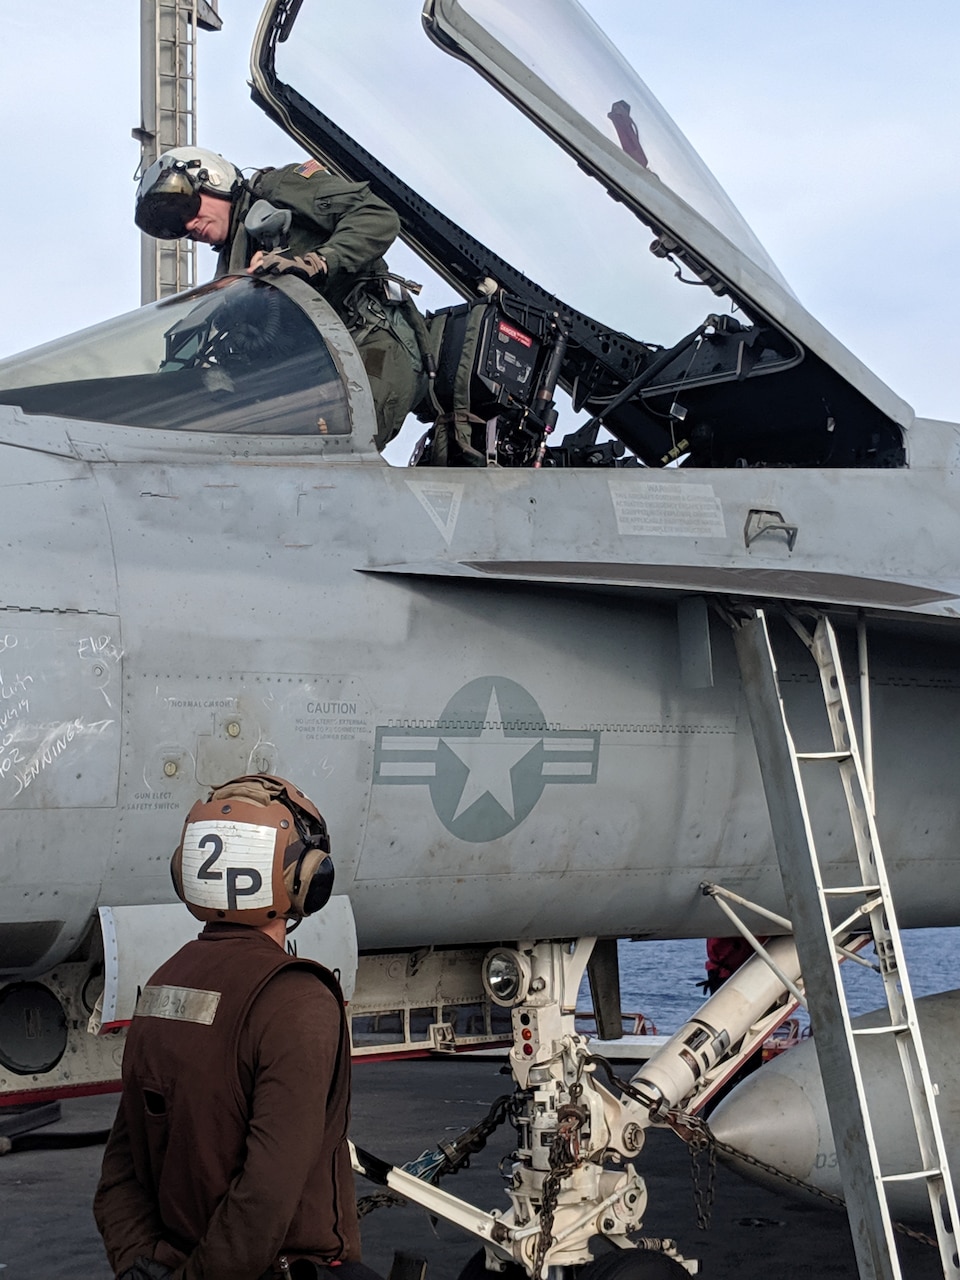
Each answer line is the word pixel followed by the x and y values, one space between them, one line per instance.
pixel 309 168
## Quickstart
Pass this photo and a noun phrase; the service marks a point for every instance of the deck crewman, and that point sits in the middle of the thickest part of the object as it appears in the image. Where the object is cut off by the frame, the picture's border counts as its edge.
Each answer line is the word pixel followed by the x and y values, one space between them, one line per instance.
pixel 228 1159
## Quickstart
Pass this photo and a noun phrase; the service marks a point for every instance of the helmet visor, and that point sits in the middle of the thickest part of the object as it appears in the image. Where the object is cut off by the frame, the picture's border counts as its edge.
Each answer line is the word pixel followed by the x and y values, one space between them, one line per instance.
pixel 170 203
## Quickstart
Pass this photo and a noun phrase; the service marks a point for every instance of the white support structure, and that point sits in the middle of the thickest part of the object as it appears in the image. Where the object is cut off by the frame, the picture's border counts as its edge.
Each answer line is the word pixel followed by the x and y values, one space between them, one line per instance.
pixel 168 118
pixel 809 899
pixel 572 1175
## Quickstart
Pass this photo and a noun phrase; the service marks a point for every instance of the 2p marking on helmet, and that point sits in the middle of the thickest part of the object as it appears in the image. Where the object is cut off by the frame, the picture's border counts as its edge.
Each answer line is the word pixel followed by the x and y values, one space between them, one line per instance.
pixel 255 850
pixel 247 872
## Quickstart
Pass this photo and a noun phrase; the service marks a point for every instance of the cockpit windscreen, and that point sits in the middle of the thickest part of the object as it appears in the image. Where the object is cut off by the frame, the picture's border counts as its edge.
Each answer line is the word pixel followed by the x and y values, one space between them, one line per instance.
pixel 233 356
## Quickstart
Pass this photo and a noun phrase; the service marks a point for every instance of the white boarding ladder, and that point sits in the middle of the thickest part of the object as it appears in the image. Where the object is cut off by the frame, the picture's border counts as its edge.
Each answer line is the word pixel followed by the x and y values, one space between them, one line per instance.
pixel 782 767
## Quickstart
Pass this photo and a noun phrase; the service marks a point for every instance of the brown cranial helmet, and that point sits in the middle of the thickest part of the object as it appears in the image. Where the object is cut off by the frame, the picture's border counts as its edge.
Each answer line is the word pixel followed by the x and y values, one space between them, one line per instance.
pixel 255 850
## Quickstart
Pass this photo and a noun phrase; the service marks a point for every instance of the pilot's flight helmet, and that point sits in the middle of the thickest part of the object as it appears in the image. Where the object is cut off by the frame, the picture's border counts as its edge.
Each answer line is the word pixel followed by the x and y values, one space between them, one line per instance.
pixel 256 850
pixel 168 196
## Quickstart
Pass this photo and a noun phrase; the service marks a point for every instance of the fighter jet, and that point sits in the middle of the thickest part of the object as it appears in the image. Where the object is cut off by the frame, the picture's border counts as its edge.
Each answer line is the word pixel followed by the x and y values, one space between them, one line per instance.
pixel 508 674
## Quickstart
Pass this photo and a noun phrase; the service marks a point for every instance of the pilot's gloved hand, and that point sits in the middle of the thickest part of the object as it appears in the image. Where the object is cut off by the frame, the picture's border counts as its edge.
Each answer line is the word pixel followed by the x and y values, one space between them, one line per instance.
pixel 309 266
pixel 145 1269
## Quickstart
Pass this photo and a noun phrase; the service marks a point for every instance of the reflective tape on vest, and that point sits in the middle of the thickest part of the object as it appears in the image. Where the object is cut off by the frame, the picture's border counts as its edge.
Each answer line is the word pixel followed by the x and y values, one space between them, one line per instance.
pixel 182 1004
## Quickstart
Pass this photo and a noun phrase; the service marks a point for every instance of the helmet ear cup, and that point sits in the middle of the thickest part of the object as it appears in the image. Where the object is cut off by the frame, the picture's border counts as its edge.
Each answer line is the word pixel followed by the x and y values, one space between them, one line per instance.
pixel 308 867
pixel 309 881
pixel 176 871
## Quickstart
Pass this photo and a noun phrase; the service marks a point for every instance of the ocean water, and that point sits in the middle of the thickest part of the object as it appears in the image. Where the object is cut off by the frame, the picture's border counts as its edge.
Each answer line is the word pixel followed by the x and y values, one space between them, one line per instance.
pixel 659 979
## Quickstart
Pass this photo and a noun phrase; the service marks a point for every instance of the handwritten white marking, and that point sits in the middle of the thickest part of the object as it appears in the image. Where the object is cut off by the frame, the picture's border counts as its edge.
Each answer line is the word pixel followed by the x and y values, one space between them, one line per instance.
pixel 13 713
pixel 12 688
pixel 99 647
pixel 55 742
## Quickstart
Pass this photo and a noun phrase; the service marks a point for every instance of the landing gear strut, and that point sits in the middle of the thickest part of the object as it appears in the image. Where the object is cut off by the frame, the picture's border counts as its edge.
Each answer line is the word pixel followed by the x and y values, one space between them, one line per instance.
pixel 572 1184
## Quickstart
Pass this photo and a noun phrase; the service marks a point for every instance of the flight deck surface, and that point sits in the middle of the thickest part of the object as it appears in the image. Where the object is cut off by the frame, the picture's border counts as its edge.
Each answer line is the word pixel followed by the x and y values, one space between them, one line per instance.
pixel 400 1109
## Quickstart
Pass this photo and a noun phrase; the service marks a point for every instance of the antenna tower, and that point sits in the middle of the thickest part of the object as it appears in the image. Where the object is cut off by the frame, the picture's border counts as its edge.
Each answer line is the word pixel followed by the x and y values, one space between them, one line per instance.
pixel 168 118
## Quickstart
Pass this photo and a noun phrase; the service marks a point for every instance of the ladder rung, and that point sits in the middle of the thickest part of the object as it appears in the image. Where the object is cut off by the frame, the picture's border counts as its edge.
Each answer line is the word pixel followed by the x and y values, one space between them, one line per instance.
pixel 804 880
pixel 847 889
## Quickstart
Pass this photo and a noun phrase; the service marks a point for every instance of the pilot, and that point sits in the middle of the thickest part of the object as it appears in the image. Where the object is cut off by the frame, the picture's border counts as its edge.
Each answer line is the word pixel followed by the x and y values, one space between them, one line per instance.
pixel 338 234
pixel 228 1158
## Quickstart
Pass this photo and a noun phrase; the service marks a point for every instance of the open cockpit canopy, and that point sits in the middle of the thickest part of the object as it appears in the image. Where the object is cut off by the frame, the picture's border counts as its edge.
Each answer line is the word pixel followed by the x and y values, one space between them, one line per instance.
pixel 534 167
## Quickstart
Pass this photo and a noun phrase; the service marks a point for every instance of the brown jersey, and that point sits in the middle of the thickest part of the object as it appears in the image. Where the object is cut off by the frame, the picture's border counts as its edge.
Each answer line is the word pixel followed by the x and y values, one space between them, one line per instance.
pixel 229 1147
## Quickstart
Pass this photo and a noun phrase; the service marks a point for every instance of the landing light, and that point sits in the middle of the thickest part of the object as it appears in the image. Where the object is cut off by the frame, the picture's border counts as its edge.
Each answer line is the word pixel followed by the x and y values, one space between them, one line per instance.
pixel 506 977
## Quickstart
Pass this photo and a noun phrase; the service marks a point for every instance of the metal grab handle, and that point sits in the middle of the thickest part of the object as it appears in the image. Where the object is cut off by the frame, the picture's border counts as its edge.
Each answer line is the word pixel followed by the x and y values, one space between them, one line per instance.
pixel 760 522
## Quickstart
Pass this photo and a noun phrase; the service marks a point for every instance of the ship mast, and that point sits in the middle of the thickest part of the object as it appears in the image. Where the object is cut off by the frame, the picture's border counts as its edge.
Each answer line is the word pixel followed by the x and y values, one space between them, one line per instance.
pixel 168 118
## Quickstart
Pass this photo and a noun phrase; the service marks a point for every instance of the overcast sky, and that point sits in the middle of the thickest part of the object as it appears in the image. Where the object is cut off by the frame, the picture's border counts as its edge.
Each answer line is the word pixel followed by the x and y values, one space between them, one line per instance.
pixel 833 127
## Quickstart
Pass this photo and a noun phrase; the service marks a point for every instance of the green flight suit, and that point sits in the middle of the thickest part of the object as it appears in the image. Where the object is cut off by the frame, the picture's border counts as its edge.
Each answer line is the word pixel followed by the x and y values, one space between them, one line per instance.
pixel 351 228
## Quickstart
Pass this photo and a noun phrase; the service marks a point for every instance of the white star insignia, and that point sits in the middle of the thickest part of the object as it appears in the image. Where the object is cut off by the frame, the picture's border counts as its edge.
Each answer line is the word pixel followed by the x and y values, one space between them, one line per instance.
pixel 489 758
